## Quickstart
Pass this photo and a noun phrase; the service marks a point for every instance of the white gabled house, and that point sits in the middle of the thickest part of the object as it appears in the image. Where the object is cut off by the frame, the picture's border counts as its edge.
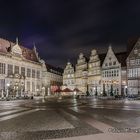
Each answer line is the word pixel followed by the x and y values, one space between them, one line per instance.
pixel 111 74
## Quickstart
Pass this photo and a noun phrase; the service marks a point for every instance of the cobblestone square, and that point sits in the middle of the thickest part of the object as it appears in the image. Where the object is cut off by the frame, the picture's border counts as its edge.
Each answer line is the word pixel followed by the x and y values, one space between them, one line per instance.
pixel 69 118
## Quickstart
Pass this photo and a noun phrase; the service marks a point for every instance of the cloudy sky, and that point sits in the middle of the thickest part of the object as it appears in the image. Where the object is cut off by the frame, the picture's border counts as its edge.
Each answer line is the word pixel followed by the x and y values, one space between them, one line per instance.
pixel 62 29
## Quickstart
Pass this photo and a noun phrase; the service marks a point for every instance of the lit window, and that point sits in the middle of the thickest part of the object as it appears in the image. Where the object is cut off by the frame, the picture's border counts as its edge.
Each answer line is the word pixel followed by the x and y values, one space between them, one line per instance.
pixel 138 61
pixel 2 68
pixel 10 69
pixel 28 72
pixel 22 71
pixel 132 62
pixel 135 51
pixel 16 69
pixel 38 74
pixel 33 73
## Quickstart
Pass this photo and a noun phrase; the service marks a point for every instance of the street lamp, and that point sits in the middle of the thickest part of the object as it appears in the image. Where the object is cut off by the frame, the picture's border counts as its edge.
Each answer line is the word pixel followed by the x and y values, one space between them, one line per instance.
pixel 74 93
pixel 125 90
pixel 16 88
pixel 94 91
pixel 37 90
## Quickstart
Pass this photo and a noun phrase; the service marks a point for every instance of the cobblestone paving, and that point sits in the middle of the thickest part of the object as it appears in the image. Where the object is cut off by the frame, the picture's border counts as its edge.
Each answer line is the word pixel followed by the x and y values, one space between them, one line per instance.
pixel 126 118
pixel 45 125
pixel 37 121
pixel 61 119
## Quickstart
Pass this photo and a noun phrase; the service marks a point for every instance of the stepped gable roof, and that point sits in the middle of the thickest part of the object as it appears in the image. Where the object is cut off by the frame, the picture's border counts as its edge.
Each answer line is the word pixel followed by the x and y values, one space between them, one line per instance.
pixel 29 54
pixel 53 69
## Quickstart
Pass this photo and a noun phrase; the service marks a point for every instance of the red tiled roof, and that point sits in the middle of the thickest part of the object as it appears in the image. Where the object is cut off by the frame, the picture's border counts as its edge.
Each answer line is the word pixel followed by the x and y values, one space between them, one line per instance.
pixel 29 54
pixel 58 90
pixel 5 47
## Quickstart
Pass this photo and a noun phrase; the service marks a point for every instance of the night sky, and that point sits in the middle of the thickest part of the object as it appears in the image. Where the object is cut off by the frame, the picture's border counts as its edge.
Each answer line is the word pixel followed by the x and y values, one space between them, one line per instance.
pixel 62 29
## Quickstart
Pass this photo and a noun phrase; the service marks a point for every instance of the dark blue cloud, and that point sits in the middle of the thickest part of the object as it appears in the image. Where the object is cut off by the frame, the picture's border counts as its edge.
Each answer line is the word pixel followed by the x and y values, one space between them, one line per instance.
pixel 62 29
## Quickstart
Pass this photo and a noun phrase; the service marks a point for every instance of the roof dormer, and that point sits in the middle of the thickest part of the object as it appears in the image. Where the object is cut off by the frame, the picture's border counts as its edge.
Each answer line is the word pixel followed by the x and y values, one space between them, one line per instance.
pixel 16 49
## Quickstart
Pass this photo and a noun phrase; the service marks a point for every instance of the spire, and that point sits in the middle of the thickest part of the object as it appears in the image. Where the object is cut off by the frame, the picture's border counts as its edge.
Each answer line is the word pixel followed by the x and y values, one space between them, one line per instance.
pixel 110 46
pixel 68 62
pixel 34 46
pixel 17 40
pixel 34 49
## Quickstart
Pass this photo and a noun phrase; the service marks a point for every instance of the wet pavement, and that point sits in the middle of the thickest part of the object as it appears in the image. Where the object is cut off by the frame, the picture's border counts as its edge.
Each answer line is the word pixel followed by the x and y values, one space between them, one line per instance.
pixel 41 119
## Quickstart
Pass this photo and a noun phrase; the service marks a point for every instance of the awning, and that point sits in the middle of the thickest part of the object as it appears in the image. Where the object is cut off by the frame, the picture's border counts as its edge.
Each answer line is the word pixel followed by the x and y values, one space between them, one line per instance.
pixel 67 90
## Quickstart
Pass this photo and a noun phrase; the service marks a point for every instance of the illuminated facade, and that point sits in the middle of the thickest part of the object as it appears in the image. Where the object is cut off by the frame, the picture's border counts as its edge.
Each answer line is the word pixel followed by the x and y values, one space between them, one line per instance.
pixel 100 71
pixel 23 73
pixel 133 70
pixel 94 73
pixel 114 73
pixel 111 74
pixel 81 73
pixel 69 76
pixel 20 70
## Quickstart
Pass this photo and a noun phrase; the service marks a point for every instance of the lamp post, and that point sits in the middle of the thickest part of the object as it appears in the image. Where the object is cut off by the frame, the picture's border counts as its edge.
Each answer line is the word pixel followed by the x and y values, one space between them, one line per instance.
pixel 94 91
pixel 22 89
pixel 37 90
pixel 75 94
pixel 43 91
pixel 16 87
pixel 7 92
pixel 48 91
pixel 125 90
pixel 2 95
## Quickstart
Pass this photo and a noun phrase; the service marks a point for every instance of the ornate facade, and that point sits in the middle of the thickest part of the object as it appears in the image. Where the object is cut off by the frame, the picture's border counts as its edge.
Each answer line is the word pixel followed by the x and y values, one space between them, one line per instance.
pixel 69 76
pixel 23 73
pixel 20 69
pixel 133 70
pixel 100 72
pixel 94 73
pixel 81 73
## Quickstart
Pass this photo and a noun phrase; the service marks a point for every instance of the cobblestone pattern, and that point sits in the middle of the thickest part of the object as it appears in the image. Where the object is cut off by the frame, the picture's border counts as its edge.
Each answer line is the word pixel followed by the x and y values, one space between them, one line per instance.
pixel 127 118
pixel 80 128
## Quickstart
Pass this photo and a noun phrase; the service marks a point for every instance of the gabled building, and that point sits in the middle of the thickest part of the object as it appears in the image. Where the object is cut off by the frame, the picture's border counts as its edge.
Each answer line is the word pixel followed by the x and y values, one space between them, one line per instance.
pixel 133 69
pixel 20 70
pixel 81 73
pixel 112 74
pixel 101 73
pixel 69 76
pixel 94 73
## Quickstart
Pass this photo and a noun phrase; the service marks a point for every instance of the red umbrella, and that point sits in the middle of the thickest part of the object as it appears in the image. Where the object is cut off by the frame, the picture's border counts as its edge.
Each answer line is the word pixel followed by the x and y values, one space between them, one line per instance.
pixel 77 90
pixel 58 90
pixel 67 90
